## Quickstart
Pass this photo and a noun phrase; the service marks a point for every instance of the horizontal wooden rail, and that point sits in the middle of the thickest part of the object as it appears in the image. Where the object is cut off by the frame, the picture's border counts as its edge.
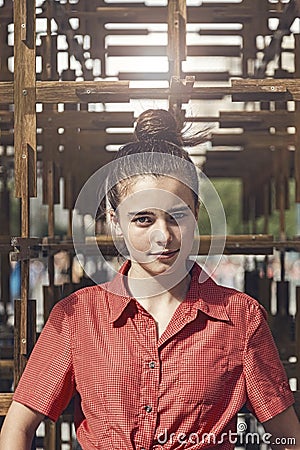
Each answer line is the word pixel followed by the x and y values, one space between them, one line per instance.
pixel 119 91
pixel 5 401
pixel 235 244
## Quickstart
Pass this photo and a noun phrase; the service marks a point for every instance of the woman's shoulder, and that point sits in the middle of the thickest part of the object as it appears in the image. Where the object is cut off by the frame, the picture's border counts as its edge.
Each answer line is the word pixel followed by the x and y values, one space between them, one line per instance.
pixel 90 297
pixel 231 298
pixel 241 304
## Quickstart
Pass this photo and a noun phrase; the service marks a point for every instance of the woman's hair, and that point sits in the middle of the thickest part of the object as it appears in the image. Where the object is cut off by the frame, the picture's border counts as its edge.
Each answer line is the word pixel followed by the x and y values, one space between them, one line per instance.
pixel 158 151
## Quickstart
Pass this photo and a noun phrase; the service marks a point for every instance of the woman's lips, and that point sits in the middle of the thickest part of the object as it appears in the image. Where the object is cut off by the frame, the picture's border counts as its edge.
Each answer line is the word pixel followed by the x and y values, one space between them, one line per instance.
pixel 166 254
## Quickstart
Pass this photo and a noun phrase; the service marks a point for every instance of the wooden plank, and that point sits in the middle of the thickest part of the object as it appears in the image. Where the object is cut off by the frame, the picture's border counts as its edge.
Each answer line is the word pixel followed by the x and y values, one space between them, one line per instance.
pixel 51 294
pixel 90 138
pixel 25 162
pixel 199 76
pixel 82 91
pixel 236 164
pixel 207 13
pixel 6 92
pixel 297 153
pixel 92 91
pixel 177 47
pixel 24 93
pixel 6 120
pixel 5 281
pixel 255 140
pixel 237 244
pixel 84 119
pixel 161 50
pixel 6 369
pixel 5 401
pixel 291 87
pixel 20 342
pixel 256 119
pixel 95 91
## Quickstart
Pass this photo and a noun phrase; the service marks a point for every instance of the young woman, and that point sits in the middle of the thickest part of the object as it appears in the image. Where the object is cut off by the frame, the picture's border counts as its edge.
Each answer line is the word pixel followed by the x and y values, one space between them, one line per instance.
pixel 155 359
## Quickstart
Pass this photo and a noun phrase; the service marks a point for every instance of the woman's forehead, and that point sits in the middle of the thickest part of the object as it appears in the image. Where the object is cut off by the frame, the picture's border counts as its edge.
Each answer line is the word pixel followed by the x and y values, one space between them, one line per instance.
pixel 165 193
pixel 164 182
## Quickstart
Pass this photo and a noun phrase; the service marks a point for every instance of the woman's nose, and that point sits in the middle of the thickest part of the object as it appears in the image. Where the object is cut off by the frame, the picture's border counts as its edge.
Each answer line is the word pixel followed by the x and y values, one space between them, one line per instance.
pixel 161 234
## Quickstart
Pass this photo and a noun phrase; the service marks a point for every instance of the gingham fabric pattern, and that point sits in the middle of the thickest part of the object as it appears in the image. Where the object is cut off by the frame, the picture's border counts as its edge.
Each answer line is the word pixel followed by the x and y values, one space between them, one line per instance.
pixel 134 391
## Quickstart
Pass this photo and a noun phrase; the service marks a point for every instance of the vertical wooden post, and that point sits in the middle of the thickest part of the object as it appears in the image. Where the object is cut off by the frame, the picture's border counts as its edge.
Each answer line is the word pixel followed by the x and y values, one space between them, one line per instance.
pixel 24 95
pixel 25 153
pixel 177 16
pixel 176 35
pixel 281 175
pixel 297 121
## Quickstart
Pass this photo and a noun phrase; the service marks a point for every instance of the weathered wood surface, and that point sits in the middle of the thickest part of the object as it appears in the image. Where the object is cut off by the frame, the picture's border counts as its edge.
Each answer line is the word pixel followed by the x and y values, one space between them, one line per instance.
pixel 239 244
pixel 24 95
pixel 119 91
pixel 257 119
pixel 207 13
pixel 161 50
pixel 5 401
pixel 23 343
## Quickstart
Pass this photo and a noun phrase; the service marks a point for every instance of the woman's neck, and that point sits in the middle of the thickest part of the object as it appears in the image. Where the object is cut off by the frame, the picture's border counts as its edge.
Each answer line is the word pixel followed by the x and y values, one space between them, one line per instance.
pixel 165 288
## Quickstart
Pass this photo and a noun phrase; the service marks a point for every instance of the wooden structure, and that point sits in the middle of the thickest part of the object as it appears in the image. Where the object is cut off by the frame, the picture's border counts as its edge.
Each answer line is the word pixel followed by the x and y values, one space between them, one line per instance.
pixel 66 100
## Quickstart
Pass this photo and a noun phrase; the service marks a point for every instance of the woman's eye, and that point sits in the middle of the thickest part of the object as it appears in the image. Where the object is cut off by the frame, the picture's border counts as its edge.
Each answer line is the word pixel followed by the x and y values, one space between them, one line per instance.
pixel 177 216
pixel 143 220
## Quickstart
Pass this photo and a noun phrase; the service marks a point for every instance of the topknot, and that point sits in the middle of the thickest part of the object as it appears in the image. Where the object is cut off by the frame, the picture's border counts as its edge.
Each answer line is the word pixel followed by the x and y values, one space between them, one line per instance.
pixel 157 125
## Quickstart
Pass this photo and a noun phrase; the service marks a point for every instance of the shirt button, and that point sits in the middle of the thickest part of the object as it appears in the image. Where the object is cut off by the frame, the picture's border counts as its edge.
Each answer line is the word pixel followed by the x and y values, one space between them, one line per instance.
pixel 148 408
pixel 152 365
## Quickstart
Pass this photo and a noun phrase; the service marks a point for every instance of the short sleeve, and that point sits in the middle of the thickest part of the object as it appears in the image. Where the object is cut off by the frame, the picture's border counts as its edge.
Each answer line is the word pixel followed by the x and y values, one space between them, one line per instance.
pixel 267 385
pixel 47 384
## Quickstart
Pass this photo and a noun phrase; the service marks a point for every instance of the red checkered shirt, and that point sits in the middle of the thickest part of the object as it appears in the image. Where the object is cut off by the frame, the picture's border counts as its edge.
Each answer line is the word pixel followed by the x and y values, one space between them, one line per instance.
pixel 135 391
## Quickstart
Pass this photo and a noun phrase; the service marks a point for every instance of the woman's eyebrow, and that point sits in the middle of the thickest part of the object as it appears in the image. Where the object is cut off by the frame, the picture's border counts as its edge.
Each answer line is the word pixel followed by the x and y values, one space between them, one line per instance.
pixel 178 208
pixel 141 213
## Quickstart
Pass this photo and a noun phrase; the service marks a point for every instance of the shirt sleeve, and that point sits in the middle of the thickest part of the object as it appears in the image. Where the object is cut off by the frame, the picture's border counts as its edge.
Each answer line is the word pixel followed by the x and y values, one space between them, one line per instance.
pixel 267 385
pixel 47 384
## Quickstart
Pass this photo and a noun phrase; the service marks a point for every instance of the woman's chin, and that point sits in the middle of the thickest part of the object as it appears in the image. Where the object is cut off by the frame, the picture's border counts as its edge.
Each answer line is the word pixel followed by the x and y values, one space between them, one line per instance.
pixel 174 265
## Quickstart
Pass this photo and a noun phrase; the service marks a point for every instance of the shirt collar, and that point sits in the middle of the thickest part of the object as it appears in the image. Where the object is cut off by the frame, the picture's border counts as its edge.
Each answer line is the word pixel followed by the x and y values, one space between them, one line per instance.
pixel 118 296
pixel 206 296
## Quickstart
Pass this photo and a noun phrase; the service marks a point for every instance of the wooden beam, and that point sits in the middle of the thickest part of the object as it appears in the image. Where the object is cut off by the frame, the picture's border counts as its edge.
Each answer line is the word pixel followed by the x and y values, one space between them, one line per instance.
pixel 199 76
pixel 255 139
pixel 161 50
pixel 84 119
pixel 5 402
pixel 24 94
pixel 256 119
pixel 288 86
pixel 206 13
pixel 119 91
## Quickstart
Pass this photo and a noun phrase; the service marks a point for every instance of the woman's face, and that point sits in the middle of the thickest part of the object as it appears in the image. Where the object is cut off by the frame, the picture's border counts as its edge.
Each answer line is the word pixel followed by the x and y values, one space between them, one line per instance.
pixel 157 217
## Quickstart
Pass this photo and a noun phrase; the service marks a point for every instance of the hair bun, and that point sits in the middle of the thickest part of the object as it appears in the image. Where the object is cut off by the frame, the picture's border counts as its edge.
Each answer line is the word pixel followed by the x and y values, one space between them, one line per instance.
pixel 157 124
